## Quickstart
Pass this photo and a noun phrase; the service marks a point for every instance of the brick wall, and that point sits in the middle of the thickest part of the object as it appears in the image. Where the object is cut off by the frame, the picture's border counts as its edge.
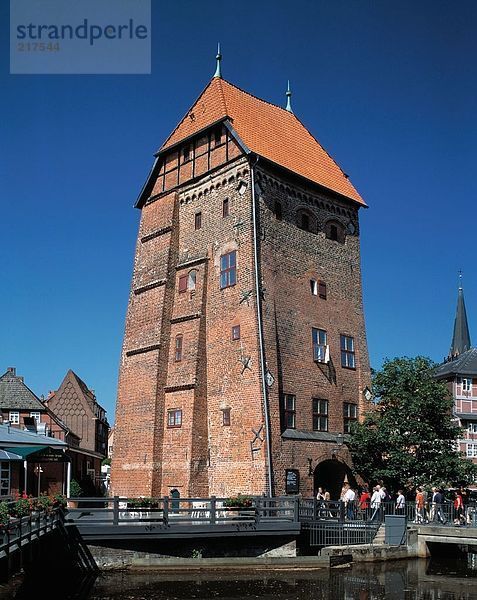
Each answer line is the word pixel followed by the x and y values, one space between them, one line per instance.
pixel 204 456
pixel 290 258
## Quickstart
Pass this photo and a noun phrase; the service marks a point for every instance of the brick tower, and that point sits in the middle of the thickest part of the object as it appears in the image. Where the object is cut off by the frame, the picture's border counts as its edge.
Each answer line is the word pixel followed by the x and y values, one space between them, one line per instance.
pixel 244 359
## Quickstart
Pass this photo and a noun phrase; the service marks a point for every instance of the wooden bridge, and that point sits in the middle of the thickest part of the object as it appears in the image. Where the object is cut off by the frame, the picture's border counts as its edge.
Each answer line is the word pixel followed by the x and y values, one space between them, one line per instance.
pixel 117 518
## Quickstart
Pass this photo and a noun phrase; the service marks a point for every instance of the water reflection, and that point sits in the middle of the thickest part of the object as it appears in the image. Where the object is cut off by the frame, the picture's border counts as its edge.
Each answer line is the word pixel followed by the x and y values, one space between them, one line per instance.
pixel 442 579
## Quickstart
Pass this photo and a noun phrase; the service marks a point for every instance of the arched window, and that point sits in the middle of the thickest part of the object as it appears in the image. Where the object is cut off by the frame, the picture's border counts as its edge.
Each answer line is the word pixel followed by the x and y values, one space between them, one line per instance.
pixel 175 497
pixel 335 231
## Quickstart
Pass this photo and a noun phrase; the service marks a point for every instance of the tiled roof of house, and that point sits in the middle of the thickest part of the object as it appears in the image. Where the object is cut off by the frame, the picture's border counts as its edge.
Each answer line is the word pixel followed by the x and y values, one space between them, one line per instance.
pixel 15 395
pixel 464 364
pixel 267 130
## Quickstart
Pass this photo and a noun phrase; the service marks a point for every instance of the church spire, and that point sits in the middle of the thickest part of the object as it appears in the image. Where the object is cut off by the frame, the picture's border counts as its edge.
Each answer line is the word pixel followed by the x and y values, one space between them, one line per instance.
pixel 288 94
pixel 461 337
pixel 218 71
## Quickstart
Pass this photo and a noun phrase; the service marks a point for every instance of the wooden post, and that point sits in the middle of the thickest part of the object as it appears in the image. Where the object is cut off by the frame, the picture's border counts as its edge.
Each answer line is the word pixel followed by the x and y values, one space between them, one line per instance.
pixel 213 510
pixel 258 507
pixel 116 510
pixel 297 510
pixel 165 510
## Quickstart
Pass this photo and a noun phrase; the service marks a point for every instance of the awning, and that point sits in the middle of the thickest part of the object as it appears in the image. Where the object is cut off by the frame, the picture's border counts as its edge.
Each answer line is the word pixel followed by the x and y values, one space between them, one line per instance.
pixel 39 453
pixel 5 455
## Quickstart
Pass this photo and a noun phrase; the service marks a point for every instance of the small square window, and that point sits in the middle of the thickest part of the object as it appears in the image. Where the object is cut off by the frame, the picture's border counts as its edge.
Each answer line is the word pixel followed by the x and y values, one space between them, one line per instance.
pixel 225 208
pixel 174 417
pixel 236 332
pixel 198 221
pixel 226 417
pixel 14 417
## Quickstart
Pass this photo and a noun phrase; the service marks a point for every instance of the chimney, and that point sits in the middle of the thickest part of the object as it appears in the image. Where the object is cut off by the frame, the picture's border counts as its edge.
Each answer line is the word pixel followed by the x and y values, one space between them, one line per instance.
pixel 12 370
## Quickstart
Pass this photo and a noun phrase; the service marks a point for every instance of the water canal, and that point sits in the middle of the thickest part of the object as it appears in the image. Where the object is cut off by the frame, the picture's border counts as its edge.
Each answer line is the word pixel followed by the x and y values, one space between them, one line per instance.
pixel 443 579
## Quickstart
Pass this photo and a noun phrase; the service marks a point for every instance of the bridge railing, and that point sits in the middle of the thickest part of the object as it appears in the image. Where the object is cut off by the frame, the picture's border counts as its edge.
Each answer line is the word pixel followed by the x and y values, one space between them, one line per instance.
pixel 118 510
pixel 312 510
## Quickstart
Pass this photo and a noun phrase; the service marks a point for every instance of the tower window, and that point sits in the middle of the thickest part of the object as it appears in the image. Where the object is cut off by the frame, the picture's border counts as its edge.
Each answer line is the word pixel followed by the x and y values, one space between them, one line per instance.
pixel 350 415
pixel 235 332
pixel 314 287
pixel 226 417
pixel 288 406
pixel 320 347
pixel 178 348
pixel 225 208
pixel 228 269
pixel 186 154
pixel 335 232
pixel 320 414
pixel 192 280
pixel 198 221
pixel 183 283
pixel 322 290
pixel 217 136
pixel 304 222
pixel 347 352
pixel 174 417
pixel 278 211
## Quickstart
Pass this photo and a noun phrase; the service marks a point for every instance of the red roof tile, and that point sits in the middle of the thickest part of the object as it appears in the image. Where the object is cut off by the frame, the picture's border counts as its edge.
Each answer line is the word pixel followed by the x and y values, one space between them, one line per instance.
pixel 267 130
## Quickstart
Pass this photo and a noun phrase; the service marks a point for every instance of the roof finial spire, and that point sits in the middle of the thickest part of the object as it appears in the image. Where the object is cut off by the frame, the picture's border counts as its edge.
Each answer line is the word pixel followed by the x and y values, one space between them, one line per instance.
pixel 218 72
pixel 288 94
pixel 461 338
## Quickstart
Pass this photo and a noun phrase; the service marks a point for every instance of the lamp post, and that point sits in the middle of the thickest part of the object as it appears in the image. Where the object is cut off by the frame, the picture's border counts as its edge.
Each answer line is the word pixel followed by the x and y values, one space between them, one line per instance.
pixel 39 471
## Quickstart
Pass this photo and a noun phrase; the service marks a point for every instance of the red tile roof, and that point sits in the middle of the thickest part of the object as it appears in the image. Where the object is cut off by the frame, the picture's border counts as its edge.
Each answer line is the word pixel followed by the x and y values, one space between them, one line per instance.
pixel 267 130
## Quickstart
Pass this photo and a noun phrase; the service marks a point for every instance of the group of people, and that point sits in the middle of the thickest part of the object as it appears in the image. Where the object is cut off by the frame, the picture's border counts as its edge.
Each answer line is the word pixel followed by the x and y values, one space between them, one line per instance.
pixel 370 505
pixel 429 506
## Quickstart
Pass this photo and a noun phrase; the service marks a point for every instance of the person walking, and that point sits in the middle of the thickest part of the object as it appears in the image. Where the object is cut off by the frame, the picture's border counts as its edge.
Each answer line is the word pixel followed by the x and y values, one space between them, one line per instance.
pixel 437 500
pixel 420 514
pixel 376 502
pixel 349 499
pixel 459 509
pixel 364 501
pixel 400 503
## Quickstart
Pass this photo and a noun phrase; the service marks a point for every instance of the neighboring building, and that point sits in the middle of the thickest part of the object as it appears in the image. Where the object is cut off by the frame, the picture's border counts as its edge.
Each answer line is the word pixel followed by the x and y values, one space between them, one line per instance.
pixel 32 462
pixel 71 415
pixel 244 360
pixel 460 372
pixel 22 409
pixel 76 405
pixel 111 442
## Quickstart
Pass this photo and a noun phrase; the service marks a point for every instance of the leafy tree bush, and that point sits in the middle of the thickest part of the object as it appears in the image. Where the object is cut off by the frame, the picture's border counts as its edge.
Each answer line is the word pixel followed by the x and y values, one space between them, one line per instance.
pixel 410 438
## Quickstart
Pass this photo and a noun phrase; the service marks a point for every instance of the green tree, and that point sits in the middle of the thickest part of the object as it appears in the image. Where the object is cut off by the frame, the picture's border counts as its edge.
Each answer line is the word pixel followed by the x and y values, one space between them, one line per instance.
pixel 410 437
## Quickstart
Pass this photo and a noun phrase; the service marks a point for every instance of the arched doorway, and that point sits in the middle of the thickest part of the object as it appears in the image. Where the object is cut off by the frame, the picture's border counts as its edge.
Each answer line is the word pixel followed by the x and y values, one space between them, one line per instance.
pixel 331 474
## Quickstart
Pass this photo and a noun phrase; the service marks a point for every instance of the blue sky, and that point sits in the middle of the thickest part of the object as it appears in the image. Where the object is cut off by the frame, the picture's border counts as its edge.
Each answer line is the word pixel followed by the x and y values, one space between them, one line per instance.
pixel 388 88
